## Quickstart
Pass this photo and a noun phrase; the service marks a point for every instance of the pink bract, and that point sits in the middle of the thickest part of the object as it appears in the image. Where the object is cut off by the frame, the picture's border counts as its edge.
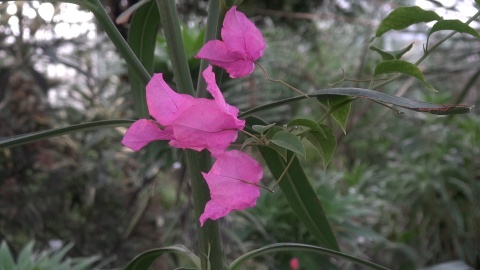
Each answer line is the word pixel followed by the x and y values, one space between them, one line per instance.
pixel 233 184
pixel 242 45
pixel 194 123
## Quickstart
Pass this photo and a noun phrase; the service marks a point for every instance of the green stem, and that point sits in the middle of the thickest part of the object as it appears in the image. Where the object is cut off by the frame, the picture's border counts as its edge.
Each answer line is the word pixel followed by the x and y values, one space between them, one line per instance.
pixel 428 52
pixel 216 12
pixel 176 48
pixel 120 43
pixel 210 246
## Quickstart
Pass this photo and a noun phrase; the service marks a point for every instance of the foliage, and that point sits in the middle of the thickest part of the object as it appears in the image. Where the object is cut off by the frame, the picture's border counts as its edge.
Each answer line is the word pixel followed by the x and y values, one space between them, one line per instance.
pixel 375 182
pixel 48 259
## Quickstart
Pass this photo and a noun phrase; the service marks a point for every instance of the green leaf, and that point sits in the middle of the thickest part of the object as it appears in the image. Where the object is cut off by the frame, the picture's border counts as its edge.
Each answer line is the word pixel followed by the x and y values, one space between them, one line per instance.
pixel 340 107
pixel 288 141
pixel 304 122
pixel 401 66
pixel 142 39
pixel 406 103
pixel 301 197
pixel 386 55
pixel 455 25
pixel 403 17
pixel 125 16
pixel 144 260
pixel 325 146
pixel 262 128
pixel 41 135
pixel 6 258
pixel 270 133
pixel 25 258
pixel 390 55
pixel 289 247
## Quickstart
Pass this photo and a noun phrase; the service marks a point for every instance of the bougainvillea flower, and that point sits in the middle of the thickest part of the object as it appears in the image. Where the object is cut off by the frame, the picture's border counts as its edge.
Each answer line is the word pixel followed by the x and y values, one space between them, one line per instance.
pixel 242 45
pixel 194 123
pixel 233 184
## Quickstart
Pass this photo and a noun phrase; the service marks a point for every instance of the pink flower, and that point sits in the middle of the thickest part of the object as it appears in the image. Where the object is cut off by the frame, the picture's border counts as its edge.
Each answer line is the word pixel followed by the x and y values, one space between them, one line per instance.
pixel 294 264
pixel 242 45
pixel 232 182
pixel 194 123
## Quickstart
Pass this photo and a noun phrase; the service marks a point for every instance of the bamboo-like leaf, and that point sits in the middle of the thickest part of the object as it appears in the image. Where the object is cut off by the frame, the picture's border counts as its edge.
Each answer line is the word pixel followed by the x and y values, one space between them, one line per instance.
pixel 403 17
pixel 455 25
pixel 406 103
pixel 41 135
pixel 301 197
pixel 142 39
pixel 145 260
pixel 289 247
pixel 401 66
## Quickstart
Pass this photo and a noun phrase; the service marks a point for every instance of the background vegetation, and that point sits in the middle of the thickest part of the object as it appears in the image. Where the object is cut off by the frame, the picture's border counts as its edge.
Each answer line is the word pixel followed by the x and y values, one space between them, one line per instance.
pixel 402 190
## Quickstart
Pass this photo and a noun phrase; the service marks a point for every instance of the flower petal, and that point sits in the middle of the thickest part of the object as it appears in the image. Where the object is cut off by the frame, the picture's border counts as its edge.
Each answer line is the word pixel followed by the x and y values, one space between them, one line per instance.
pixel 164 104
pixel 241 36
pixel 214 130
pixel 144 131
pixel 232 182
pixel 212 87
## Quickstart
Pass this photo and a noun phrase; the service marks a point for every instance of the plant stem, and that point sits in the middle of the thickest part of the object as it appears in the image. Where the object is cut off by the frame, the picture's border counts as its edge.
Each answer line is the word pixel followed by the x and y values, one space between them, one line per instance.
pixel 427 52
pixel 216 12
pixel 120 43
pixel 210 246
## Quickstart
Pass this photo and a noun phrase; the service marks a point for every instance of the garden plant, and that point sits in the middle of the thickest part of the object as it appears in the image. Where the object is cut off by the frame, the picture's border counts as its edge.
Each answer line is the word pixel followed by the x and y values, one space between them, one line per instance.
pixel 229 151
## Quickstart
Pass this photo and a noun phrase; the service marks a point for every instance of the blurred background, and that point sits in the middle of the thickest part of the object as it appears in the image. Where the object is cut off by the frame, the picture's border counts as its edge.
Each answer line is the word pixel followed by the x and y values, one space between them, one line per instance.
pixel 403 190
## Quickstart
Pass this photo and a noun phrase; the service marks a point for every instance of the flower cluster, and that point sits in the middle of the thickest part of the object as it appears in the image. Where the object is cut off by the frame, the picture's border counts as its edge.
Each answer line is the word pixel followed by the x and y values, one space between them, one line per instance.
pixel 199 123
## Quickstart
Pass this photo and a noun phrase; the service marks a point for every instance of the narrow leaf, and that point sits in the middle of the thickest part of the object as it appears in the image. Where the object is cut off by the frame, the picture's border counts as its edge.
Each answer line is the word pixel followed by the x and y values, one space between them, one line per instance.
pixel 340 107
pixel 125 16
pixel 142 39
pixel 289 141
pixel 325 146
pixel 144 260
pixel 455 25
pixel 403 17
pixel 301 197
pixel 401 66
pixel 410 104
pixel 289 247
pixel 6 258
pixel 41 135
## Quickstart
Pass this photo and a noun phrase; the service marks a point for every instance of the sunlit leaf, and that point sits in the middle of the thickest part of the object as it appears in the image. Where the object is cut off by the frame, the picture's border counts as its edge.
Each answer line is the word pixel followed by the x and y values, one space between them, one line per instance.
pixel 288 141
pixel 403 17
pixel 401 66
pixel 325 146
pixel 455 25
